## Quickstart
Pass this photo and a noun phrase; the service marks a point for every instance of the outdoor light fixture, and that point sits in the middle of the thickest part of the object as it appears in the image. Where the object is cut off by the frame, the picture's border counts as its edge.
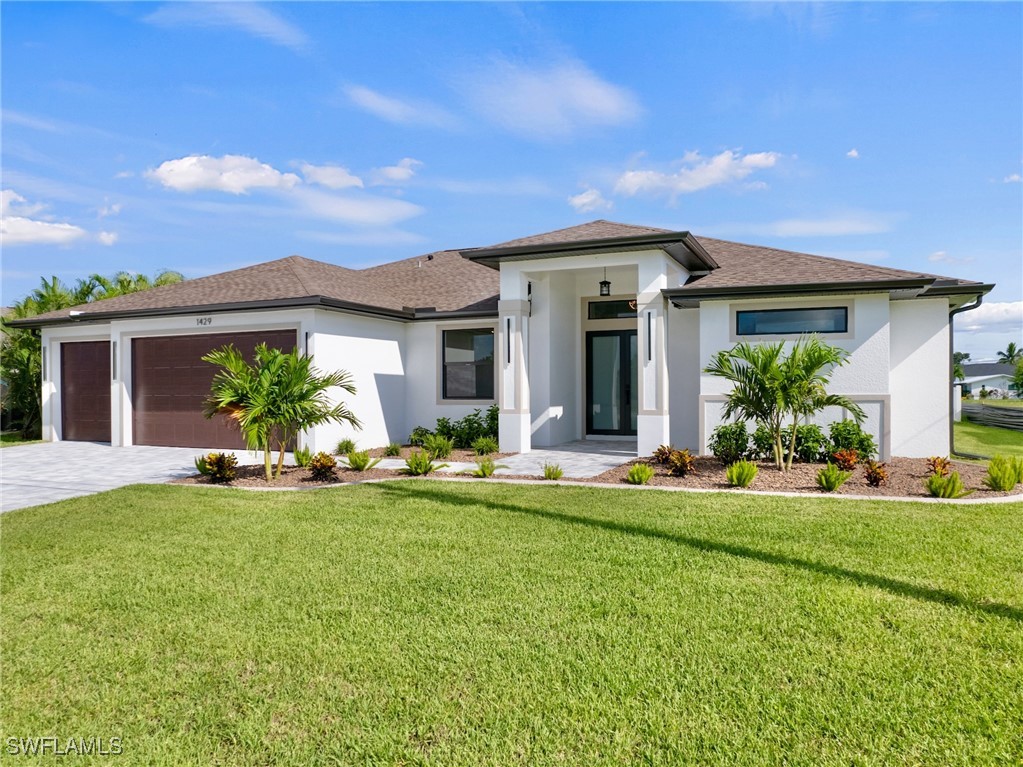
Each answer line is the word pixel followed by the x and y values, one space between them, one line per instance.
pixel 605 286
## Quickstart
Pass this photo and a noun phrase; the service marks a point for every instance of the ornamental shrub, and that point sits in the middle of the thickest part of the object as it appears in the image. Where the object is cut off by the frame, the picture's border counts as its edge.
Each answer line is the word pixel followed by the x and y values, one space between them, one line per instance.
pixel 741 473
pixel 323 467
pixel 639 474
pixel 875 473
pixel 946 487
pixel 830 478
pixel 729 442
pixel 847 435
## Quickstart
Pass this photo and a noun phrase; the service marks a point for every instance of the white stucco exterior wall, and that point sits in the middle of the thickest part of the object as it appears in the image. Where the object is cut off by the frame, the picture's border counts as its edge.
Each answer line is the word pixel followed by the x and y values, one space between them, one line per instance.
pixel 920 377
pixel 372 350
pixel 423 403
pixel 864 377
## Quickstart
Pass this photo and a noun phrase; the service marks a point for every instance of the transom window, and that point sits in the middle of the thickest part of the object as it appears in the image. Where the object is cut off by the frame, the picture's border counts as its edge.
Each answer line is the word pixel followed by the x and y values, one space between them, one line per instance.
pixel 780 322
pixel 468 364
pixel 611 310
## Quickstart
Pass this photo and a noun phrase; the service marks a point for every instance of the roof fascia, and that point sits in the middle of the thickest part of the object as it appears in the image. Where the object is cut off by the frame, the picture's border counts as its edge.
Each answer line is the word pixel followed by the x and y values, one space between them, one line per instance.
pixel 692 296
pixel 681 246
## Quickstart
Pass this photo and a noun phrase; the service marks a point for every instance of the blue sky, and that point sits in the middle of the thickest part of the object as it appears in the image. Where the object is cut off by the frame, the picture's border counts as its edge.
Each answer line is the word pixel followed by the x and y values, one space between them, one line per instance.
pixel 203 137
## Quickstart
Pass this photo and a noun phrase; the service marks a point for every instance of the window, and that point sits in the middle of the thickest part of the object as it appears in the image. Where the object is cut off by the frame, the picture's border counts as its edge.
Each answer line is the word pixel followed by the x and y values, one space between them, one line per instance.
pixel 611 310
pixel 468 364
pixel 770 322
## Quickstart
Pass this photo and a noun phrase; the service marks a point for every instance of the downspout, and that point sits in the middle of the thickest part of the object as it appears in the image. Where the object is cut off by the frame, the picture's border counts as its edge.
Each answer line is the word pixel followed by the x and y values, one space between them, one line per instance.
pixel 952 381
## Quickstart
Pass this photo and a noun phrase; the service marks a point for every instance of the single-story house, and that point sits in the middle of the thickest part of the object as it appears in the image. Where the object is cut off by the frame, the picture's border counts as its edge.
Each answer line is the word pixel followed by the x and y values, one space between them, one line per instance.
pixel 597 330
pixel 993 376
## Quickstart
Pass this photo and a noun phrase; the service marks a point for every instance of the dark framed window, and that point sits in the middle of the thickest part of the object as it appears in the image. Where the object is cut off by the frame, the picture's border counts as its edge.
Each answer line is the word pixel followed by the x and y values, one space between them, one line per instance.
pixel 468 364
pixel 781 322
pixel 611 310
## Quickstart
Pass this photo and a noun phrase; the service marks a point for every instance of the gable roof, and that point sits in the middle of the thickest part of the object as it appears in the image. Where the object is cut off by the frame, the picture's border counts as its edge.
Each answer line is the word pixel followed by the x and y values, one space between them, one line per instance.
pixel 467 283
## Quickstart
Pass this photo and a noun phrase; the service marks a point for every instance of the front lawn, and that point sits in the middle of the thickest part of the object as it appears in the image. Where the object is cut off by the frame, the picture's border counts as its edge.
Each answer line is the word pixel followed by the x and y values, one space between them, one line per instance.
pixel 979 439
pixel 444 623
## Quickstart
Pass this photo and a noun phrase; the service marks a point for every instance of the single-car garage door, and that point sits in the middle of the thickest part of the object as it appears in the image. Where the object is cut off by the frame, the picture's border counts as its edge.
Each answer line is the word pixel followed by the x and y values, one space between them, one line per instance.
pixel 170 382
pixel 85 391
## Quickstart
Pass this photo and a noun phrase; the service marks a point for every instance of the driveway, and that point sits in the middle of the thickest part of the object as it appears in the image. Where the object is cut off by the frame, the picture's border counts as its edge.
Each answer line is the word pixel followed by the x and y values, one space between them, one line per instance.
pixel 53 471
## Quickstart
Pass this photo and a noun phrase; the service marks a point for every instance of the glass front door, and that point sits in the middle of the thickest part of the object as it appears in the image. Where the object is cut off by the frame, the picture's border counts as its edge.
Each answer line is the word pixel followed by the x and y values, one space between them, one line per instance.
pixel 611 392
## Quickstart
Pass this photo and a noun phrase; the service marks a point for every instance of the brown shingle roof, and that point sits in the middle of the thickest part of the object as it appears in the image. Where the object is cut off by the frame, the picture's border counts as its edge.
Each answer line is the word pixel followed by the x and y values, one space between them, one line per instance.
pixel 757 266
pixel 445 281
pixel 600 229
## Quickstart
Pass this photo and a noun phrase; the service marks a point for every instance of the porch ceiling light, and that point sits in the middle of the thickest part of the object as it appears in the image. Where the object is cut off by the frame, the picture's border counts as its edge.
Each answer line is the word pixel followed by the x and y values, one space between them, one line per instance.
pixel 605 285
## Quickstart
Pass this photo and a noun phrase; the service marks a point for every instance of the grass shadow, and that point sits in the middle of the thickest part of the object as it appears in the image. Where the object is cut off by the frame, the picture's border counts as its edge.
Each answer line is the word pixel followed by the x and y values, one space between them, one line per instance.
pixel 421 491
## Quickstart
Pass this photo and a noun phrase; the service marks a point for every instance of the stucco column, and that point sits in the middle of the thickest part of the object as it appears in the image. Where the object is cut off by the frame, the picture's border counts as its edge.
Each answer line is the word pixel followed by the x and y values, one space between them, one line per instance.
pixel 652 422
pixel 513 395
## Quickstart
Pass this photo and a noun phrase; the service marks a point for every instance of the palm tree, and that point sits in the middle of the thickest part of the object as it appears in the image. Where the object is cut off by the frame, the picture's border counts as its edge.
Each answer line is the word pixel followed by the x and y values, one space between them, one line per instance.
pixel 274 398
pixel 124 283
pixel 769 388
pixel 1012 354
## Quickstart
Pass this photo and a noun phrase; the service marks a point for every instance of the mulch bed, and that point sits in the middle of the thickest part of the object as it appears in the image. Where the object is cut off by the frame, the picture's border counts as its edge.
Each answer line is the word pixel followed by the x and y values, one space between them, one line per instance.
pixel 459 455
pixel 905 478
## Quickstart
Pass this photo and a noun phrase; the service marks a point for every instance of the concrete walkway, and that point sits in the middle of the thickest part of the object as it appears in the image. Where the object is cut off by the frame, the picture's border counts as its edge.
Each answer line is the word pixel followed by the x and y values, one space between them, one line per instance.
pixel 54 471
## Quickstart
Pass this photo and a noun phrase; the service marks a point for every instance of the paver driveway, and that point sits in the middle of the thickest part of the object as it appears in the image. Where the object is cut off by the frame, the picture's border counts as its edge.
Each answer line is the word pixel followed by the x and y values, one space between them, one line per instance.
pixel 52 471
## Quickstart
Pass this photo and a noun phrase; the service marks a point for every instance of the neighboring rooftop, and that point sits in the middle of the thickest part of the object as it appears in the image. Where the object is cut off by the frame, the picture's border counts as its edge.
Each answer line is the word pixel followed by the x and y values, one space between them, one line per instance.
pixel 452 282
pixel 983 369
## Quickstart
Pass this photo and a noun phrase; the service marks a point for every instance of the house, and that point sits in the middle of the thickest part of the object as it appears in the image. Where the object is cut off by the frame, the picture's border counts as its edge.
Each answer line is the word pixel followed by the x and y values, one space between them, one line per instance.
pixel 993 376
pixel 598 330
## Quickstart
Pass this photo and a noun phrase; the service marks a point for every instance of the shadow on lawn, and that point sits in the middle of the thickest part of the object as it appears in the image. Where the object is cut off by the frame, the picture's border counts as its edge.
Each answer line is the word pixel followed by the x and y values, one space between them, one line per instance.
pixel 902 588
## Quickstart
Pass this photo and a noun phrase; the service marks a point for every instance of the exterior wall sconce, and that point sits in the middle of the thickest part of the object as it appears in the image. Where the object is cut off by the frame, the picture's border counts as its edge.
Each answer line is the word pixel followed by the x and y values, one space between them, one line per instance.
pixel 605 285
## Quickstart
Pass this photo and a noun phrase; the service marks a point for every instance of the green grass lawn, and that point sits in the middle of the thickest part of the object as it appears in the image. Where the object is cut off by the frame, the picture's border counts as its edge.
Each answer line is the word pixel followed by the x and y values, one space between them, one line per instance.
pixel 439 623
pixel 12 438
pixel 998 402
pixel 979 439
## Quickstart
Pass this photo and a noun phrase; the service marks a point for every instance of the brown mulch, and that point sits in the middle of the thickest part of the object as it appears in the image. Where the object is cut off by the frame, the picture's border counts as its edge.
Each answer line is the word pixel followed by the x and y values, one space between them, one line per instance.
pixel 291 476
pixel 905 478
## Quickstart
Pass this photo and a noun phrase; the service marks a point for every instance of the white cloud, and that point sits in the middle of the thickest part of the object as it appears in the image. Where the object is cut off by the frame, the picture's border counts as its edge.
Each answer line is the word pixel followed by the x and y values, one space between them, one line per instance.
pixel 1013 178
pixel 853 153
pixel 252 18
pixel 992 317
pixel 330 176
pixel 376 237
pixel 395 175
pixel 398 111
pixel 941 257
pixel 29 121
pixel 17 228
pixel 361 211
pixel 548 102
pixel 232 173
pixel 589 200
pixel 124 174
pixel 109 210
pixel 696 173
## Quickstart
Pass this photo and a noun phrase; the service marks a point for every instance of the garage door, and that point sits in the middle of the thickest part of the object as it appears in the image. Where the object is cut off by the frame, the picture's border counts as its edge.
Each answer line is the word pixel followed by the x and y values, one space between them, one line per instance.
pixel 170 382
pixel 85 391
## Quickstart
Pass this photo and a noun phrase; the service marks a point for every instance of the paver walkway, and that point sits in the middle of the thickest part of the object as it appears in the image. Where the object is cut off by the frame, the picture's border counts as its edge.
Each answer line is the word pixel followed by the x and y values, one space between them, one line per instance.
pixel 54 471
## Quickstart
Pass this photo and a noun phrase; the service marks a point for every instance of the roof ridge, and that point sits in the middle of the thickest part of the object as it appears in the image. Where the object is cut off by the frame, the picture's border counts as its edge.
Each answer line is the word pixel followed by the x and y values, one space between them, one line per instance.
pixel 294 263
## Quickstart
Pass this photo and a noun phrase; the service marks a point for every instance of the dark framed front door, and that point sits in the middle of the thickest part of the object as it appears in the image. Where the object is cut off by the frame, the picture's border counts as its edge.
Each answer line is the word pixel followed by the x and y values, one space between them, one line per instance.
pixel 611 378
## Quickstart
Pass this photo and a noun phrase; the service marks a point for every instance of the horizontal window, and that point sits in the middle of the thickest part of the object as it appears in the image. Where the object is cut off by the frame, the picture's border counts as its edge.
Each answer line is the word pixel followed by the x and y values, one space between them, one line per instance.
pixel 770 322
pixel 468 362
pixel 611 310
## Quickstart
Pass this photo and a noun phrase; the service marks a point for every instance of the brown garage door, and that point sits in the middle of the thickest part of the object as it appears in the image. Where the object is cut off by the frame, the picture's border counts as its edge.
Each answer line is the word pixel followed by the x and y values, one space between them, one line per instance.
pixel 170 382
pixel 85 391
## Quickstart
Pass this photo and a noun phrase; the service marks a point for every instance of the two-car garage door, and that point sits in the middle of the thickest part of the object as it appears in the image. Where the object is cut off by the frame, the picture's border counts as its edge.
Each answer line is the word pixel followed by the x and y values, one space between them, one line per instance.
pixel 170 382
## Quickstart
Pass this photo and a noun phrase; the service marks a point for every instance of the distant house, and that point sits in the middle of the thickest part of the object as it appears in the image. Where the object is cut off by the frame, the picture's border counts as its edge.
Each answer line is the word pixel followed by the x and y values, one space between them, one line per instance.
pixel 993 376
pixel 599 330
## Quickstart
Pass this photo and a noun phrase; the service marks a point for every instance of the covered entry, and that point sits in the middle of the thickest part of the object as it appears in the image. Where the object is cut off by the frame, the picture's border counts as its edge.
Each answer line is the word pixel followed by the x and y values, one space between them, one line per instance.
pixel 85 391
pixel 611 378
pixel 170 382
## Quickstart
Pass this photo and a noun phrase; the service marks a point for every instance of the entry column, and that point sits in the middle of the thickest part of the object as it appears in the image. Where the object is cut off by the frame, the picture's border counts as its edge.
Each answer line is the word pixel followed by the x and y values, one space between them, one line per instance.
pixel 652 423
pixel 513 397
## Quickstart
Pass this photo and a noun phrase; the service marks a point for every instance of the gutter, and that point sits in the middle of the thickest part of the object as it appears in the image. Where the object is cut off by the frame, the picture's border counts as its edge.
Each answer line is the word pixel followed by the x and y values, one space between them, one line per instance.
pixel 951 381
pixel 682 296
